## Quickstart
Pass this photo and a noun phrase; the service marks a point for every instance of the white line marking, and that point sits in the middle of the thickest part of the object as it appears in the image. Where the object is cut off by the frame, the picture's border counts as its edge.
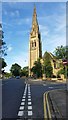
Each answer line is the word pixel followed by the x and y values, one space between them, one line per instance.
pixel 29 92
pixel 29 107
pixel 44 85
pixel 22 103
pixel 29 113
pixel 29 119
pixel 20 113
pixel 29 96
pixel 24 96
pixel 23 100
pixel 29 103
pixel 50 87
pixel 29 99
pixel 21 107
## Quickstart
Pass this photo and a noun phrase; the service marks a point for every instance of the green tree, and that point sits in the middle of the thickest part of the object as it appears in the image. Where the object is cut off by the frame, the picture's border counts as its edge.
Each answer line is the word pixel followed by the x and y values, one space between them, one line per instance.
pixel 3 63
pixel 3 46
pixel 63 71
pixel 48 70
pixel 15 69
pixel 3 49
pixel 37 69
pixel 61 52
pixel 7 75
pixel 24 71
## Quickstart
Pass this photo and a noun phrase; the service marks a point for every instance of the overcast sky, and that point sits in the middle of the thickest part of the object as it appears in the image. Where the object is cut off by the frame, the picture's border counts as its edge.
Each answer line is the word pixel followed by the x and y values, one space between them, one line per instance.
pixel 17 22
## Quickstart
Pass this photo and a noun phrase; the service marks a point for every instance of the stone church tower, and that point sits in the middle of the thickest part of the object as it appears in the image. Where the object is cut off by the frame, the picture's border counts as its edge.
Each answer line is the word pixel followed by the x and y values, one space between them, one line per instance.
pixel 35 50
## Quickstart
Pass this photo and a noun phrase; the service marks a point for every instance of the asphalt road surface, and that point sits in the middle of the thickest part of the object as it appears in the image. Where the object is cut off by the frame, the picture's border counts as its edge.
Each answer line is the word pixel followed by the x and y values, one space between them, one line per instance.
pixel 24 100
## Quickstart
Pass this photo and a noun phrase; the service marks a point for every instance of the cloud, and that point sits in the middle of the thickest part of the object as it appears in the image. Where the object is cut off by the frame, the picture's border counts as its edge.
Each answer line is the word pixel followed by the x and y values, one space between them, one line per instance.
pixel 9 48
pixel 17 13
pixel 23 21
pixel 56 31
pixel 14 13
pixel 44 30
pixel 21 59
pixel 61 23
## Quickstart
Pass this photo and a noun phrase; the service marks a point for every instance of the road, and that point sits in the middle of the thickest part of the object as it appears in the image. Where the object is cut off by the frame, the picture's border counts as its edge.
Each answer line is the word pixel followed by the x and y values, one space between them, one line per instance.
pixel 24 100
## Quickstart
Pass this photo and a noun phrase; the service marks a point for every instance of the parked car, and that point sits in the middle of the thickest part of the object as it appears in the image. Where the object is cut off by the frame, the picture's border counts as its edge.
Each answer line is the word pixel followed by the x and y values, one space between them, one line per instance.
pixel 17 77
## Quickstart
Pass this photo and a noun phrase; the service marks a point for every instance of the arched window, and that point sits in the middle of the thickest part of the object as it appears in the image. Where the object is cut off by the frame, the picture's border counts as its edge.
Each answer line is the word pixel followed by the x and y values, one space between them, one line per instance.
pixel 35 44
pixel 32 44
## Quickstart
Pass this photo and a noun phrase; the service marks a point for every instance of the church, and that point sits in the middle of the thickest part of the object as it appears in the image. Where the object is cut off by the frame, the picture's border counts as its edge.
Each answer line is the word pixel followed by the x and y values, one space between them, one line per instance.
pixel 35 47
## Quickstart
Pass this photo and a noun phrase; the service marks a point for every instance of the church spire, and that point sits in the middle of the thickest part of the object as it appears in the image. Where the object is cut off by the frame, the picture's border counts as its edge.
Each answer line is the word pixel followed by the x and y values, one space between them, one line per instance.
pixel 34 21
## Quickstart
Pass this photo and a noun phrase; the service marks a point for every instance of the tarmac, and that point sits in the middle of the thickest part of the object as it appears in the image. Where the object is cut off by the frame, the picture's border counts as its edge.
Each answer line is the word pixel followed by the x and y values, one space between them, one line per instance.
pixel 56 105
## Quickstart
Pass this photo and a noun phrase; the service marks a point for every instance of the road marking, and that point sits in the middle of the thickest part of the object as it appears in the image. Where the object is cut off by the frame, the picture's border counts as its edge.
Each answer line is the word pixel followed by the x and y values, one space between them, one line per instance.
pixel 23 100
pixel 29 99
pixel 29 103
pixel 22 103
pixel 24 96
pixel 29 92
pixel 29 96
pixel 29 107
pixel 20 113
pixel 29 113
pixel 50 87
pixel 21 107
pixel 44 85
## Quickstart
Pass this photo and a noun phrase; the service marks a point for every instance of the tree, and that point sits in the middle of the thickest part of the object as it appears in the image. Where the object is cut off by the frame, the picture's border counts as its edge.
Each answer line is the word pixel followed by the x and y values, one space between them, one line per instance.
pixel 24 71
pixel 2 62
pixel 63 71
pixel 3 46
pixel 7 75
pixel 15 69
pixel 48 70
pixel 37 69
pixel 61 52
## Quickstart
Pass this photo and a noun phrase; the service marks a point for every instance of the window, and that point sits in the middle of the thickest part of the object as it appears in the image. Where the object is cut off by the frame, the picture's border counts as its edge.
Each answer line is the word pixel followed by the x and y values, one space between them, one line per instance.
pixel 32 44
pixel 35 44
pixel 54 64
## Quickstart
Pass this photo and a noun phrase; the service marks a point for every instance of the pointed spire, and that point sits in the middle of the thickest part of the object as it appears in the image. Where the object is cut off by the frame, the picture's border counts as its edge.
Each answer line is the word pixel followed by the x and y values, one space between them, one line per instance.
pixel 34 22
pixel 34 9
pixel 35 26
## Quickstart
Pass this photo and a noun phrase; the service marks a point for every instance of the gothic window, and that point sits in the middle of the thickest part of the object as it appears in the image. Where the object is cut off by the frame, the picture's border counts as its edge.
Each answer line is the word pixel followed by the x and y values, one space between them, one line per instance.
pixel 32 44
pixel 54 64
pixel 35 44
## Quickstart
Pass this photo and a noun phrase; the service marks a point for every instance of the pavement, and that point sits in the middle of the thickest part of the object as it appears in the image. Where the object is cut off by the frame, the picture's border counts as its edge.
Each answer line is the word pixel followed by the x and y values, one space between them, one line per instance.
pixel 56 101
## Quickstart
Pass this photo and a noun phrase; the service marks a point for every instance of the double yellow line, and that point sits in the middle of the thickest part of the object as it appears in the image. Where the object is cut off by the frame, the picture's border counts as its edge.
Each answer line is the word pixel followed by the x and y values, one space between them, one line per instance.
pixel 47 112
pixel 47 107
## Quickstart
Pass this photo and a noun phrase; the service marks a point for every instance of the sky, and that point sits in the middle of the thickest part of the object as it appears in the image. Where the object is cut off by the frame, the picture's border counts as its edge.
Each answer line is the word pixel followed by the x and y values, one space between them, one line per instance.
pixel 17 23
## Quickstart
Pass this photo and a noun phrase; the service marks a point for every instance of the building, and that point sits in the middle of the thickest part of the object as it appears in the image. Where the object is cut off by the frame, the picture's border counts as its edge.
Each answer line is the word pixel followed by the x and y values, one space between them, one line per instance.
pixel 35 47
pixel 56 63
